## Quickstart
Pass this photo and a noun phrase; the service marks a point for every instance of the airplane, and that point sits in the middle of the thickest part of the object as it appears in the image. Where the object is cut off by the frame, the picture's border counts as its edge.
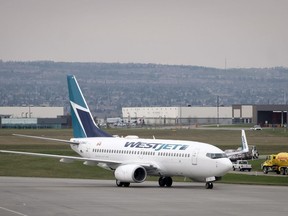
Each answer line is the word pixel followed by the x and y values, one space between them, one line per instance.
pixel 252 154
pixel 238 154
pixel 131 158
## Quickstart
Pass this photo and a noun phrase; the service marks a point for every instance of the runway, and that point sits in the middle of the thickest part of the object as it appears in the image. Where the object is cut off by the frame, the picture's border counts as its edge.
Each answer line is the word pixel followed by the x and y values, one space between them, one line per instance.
pixel 74 197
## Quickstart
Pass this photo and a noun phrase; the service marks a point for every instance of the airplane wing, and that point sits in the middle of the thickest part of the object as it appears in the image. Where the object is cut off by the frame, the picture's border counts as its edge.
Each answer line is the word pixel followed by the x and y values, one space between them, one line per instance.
pixel 245 147
pixel 87 161
pixel 106 164
pixel 64 158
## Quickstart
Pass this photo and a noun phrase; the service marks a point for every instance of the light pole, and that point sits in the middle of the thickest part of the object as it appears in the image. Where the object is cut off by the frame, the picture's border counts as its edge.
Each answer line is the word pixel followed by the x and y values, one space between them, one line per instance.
pixel 217 111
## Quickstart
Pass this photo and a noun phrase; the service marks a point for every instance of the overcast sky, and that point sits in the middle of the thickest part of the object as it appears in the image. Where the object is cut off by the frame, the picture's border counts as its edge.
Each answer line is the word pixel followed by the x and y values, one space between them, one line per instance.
pixel 247 33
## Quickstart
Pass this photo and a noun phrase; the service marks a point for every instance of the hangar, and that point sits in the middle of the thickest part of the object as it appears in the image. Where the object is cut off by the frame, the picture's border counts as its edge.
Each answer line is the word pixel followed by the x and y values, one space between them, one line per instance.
pixel 264 115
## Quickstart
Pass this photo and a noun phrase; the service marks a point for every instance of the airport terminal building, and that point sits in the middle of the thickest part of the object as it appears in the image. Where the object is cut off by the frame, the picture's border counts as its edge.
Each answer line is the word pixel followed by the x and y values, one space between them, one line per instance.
pixel 265 115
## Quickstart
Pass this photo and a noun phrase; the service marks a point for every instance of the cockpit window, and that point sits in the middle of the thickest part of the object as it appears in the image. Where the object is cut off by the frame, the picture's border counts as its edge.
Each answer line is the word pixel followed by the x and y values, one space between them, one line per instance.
pixel 216 155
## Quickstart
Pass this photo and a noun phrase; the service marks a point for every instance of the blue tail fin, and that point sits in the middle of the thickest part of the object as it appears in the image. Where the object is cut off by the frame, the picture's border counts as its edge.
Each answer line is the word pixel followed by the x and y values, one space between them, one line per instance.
pixel 82 120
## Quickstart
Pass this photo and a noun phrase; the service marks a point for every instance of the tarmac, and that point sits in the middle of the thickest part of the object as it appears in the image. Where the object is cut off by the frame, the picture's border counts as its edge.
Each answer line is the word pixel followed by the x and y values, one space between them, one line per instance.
pixel 50 196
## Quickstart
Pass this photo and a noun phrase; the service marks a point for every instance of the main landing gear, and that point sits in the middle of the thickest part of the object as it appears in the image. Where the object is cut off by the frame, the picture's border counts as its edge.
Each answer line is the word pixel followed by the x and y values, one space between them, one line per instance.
pixel 121 184
pixel 209 185
pixel 165 181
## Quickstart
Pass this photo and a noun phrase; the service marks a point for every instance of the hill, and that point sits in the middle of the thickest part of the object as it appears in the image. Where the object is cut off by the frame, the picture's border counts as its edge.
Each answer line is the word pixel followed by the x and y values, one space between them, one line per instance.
pixel 110 86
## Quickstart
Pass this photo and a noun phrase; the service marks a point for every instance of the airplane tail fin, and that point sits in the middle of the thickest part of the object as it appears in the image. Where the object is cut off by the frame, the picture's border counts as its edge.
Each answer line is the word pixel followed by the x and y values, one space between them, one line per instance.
pixel 82 120
pixel 245 147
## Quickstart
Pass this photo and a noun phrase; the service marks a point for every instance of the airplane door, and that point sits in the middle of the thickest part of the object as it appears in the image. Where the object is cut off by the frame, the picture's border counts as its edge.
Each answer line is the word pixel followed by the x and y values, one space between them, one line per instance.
pixel 87 150
pixel 195 156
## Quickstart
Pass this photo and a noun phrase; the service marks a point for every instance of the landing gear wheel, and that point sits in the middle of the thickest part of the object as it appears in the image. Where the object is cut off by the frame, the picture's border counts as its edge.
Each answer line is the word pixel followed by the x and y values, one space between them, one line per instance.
pixel 209 185
pixel 168 181
pixel 165 181
pixel 126 184
pixel 265 170
pixel 121 184
pixel 161 181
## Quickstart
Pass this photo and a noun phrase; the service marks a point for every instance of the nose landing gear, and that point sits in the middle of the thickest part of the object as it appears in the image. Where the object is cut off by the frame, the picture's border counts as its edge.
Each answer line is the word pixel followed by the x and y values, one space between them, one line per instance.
pixel 209 185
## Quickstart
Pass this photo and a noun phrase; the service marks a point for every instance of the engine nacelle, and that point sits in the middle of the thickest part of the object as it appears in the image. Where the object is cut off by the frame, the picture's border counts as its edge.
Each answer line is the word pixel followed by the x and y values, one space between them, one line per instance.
pixel 130 173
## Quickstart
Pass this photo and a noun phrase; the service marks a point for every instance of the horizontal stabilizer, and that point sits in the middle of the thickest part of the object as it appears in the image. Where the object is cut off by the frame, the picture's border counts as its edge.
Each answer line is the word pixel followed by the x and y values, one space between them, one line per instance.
pixel 46 138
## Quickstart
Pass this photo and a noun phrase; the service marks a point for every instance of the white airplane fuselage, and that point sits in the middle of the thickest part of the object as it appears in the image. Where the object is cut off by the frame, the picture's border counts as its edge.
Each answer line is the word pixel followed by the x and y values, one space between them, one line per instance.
pixel 172 157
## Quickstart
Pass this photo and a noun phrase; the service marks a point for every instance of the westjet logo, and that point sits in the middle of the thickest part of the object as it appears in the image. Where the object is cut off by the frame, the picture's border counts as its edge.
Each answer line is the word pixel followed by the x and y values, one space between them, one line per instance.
pixel 155 146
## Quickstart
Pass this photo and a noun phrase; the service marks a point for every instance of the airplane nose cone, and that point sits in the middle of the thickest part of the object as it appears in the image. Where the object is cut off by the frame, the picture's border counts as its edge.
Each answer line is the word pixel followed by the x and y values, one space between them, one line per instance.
pixel 224 166
pixel 229 165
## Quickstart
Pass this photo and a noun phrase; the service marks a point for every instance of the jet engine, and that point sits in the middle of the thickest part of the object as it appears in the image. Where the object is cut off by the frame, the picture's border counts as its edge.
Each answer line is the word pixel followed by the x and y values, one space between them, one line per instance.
pixel 130 173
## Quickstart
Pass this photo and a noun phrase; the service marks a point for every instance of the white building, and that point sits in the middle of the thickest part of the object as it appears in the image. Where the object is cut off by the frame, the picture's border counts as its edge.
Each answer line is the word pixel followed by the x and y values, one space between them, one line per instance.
pixel 31 112
pixel 178 115
pixel 32 117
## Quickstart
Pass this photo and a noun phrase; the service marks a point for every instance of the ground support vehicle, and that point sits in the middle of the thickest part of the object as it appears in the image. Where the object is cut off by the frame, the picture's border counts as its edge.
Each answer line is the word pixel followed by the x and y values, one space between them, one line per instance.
pixel 276 163
pixel 242 165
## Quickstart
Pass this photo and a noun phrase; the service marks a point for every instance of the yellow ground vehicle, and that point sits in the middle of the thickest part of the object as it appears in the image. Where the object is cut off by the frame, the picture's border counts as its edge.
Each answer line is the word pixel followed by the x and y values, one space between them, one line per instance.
pixel 276 163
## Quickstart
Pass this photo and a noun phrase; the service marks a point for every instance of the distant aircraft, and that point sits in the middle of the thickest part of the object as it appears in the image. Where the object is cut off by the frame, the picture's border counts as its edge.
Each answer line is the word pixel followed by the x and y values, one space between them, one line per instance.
pixel 132 159
pixel 238 154
pixel 251 154
pixel 234 153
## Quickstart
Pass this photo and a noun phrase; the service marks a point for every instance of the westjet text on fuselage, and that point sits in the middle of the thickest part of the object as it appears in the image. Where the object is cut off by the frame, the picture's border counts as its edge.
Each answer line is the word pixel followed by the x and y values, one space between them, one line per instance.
pixel 156 146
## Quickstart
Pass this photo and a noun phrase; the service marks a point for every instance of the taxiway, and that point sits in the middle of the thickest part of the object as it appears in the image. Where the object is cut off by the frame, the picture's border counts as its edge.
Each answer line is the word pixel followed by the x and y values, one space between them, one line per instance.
pixel 74 197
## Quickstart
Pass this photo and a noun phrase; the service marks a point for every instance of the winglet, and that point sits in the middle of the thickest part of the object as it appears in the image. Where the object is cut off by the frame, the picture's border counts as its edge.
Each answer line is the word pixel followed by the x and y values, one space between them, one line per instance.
pixel 82 120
